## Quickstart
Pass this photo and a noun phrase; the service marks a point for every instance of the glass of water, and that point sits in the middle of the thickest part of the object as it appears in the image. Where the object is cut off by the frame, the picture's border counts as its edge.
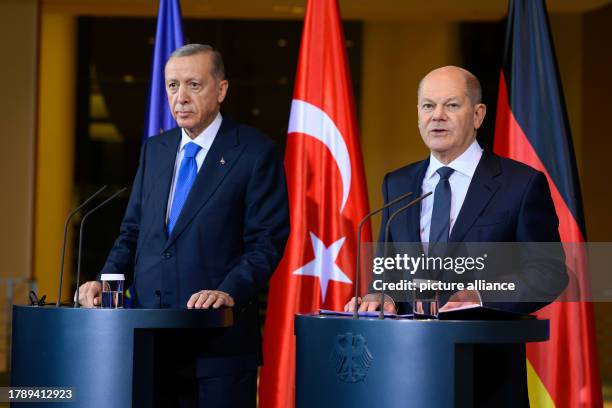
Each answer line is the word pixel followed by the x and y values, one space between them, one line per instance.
pixel 112 290
pixel 425 301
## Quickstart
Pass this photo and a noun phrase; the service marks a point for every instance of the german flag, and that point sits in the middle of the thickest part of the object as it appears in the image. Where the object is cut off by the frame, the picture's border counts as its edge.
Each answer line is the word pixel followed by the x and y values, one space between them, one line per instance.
pixel 532 127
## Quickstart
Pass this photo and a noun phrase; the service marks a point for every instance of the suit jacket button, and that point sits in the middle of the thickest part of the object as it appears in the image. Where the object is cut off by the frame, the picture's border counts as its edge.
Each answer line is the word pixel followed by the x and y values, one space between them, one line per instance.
pixel 166 255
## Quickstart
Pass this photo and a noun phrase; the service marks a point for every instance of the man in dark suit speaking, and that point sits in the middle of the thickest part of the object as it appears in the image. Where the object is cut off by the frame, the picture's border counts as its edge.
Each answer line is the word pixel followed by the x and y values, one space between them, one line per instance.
pixel 478 197
pixel 206 224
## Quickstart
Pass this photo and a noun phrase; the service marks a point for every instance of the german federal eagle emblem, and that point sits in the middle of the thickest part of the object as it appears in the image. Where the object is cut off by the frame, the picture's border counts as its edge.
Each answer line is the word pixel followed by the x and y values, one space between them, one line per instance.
pixel 351 357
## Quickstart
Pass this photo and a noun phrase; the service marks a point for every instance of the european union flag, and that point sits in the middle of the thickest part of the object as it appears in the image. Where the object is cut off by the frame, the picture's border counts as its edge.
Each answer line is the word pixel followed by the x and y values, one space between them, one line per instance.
pixel 168 37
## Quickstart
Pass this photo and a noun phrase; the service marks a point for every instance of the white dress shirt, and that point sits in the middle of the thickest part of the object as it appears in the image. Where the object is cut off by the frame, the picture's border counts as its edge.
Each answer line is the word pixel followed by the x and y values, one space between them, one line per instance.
pixel 205 140
pixel 464 166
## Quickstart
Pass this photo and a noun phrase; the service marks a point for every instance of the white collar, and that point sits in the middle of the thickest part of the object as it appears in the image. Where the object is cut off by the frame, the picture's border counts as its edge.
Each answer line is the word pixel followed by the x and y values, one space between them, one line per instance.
pixel 204 139
pixel 465 164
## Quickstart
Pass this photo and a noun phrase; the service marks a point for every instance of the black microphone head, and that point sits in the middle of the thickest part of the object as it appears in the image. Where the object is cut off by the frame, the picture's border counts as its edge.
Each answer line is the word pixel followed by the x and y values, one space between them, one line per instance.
pixel 33 298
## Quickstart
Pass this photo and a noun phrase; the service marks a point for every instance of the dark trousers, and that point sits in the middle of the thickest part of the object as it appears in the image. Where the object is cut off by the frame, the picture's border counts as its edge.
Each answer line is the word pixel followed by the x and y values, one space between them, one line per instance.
pixel 225 391
pixel 177 382
pixel 500 376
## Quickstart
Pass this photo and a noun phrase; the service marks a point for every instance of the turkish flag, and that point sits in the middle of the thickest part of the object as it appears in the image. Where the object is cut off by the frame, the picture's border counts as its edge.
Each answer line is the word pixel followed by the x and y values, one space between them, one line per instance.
pixel 532 127
pixel 327 196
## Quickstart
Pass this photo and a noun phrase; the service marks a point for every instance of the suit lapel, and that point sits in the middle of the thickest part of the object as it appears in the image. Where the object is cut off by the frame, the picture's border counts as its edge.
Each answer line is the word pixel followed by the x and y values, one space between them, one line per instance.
pixel 482 187
pixel 165 158
pixel 221 157
pixel 413 216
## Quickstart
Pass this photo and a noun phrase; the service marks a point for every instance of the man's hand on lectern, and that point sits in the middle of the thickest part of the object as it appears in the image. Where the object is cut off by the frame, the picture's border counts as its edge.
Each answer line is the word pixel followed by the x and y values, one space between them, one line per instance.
pixel 206 299
pixel 463 298
pixel 370 303
pixel 89 294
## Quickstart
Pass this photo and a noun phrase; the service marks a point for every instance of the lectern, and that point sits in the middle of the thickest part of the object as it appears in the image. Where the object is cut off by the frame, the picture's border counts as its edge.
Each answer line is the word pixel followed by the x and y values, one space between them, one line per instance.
pixel 366 362
pixel 105 355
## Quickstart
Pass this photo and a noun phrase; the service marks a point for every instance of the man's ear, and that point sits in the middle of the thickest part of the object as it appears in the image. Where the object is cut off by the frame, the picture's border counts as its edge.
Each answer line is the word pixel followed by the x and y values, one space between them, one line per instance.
pixel 223 86
pixel 480 110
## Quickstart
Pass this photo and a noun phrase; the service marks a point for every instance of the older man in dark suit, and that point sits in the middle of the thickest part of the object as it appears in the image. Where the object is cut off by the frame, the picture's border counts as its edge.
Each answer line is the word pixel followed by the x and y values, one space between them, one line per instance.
pixel 478 197
pixel 205 226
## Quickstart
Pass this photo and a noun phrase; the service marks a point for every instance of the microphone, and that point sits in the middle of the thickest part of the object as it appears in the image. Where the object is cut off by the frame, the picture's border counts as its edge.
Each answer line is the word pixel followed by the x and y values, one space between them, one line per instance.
pixel 72 214
pixel 103 203
pixel 381 314
pixel 359 228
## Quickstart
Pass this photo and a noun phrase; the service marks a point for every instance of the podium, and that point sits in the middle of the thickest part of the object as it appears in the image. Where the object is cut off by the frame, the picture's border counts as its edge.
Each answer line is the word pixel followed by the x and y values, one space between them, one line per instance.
pixel 345 362
pixel 104 355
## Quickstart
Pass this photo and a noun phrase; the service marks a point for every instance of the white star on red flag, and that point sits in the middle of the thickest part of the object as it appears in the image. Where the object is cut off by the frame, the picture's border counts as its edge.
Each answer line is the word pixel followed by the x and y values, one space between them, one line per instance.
pixel 324 265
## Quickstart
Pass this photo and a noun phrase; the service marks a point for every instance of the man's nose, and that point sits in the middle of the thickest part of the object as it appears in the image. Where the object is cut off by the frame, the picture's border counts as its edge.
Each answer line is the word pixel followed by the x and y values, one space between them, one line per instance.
pixel 438 113
pixel 183 95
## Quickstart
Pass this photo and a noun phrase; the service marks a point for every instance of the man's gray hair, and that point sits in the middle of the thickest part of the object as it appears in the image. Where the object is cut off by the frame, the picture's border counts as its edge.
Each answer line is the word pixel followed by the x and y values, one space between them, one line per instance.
pixel 218 68
pixel 474 90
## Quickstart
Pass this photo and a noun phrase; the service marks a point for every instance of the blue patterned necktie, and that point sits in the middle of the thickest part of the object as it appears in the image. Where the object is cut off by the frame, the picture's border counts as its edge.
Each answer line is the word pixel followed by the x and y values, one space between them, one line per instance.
pixel 186 176
pixel 440 215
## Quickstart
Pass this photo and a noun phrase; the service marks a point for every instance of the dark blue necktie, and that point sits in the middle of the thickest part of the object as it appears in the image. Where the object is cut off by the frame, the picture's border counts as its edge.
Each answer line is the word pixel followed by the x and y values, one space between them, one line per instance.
pixel 440 216
pixel 186 176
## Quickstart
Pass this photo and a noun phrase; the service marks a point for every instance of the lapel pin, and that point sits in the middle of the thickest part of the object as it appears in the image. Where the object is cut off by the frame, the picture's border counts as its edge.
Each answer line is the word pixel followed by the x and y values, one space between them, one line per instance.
pixel 222 161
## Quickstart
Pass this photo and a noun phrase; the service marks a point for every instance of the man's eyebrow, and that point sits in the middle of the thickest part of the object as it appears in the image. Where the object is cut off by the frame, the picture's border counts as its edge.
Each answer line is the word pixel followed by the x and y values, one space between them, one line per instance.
pixel 450 99
pixel 444 101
